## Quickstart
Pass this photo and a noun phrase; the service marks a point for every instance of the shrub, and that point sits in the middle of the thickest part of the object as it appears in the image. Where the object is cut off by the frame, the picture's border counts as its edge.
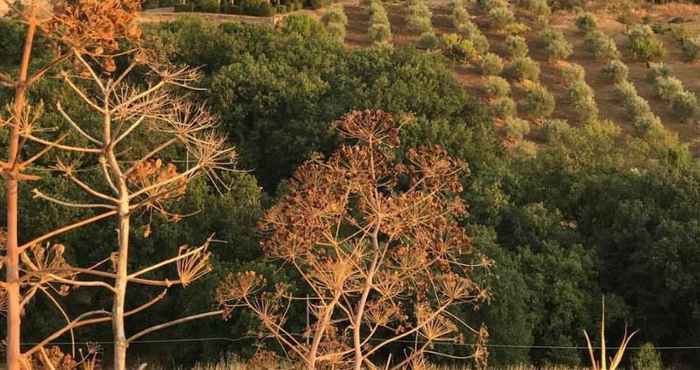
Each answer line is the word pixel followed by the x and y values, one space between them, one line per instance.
pixel 637 106
pixel 582 98
pixel 647 358
pixel 260 8
pixel 656 71
pixel 602 46
pixel 516 46
pixel 645 122
pixel 516 128
pixel 516 28
pixel 643 44
pixel 497 87
pixel 523 68
pixel 336 30
pixel 491 4
pixel 457 48
pixel 586 22
pixel 207 6
pixel 556 46
pixel 539 10
pixel 525 149
pixel 335 14
pixel 471 32
pixel 419 16
pixel 691 48
pixel 616 71
pixel 539 102
pixel 684 106
pixel 572 72
pixel 428 40
pixel 668 87
pixel 500 17
pixel 491 65
pixel 459 16
pixel 380 34
pixel 552 128
pixel 503 107
pixel 626 91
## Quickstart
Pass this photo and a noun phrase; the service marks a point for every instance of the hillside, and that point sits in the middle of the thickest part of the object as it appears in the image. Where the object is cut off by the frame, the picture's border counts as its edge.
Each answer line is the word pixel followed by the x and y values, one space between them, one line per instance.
pixel 606 99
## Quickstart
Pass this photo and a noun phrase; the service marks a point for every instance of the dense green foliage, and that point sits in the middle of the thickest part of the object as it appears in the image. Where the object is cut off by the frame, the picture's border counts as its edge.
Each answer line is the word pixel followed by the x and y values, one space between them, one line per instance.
pixel 593 211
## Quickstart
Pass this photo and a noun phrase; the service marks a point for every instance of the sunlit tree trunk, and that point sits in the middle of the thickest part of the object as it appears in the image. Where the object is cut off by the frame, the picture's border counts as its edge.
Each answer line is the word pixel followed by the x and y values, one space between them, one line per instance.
pixel 14 297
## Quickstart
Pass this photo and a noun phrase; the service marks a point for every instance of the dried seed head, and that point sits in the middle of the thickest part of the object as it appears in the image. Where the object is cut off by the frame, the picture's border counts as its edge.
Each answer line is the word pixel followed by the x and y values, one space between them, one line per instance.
pixel 195 265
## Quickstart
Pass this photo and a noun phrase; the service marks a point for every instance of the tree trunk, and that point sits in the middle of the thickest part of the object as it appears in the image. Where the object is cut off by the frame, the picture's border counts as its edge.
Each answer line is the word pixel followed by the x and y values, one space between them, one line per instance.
pixel 14 296
pixel 120 343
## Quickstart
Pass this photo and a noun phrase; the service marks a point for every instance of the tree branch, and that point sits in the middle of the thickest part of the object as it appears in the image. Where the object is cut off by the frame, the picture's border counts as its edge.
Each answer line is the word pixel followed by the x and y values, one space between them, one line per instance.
pixel 65 229
pixel 173 323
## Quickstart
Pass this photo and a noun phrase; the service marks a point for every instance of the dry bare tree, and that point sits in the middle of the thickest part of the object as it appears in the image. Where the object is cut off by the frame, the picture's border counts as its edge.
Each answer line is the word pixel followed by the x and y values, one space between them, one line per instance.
pixel 377 241
pixel 98 38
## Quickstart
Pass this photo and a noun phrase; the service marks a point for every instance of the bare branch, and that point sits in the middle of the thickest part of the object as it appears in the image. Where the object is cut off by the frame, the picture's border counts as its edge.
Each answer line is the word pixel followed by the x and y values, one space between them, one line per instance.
pixel 60 146
pixel 38 194
pixel 66 229
pixel 70 120
pixel 76 323
pixel 173 323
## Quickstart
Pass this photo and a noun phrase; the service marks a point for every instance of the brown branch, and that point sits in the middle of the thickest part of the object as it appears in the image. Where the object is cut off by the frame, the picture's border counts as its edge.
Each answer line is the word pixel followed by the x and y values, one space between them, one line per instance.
pixel 147 304
pixel 40 73
pixel 60 146
pixel 173 323
pixel 66 229
pixel 70 120
pixel 38 194
pixel 78 322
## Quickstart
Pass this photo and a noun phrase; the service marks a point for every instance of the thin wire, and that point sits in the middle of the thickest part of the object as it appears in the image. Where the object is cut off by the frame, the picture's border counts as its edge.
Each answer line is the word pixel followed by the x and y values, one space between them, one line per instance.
pixel 234 340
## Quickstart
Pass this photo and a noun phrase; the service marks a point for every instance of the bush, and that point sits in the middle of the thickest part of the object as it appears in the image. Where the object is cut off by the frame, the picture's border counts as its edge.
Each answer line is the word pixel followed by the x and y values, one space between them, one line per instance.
pixel 556 46
pixel 500 17
pixel 643 44
pixel 668 87
pixel 691 48
pixel 602 46
pixel 260 8
pixel 336 30
pixel 523 68
pixel 647 358
pixel 380 34
pixel 491 4
pixel 335 14
pixel 497 87
pixel 503 107
pixel 419 17
pixel 516 28
pixel 582 97
pixel 684 106
pixel 571 73
pixel 457 48
pixel 491 65
pixel 539 10
pixel 637 106
pixel 471 32
pixel 625 89
pixel 539 102
pixel 516 46
pixel 656 71
pixel 616 71
pixel 586 22
pixel 427 41
pixel 207 6
pixel 516 128
pixel 459 16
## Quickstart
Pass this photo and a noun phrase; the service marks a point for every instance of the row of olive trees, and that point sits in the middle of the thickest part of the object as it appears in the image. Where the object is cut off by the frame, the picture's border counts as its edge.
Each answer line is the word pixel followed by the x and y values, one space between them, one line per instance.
pixel 98 48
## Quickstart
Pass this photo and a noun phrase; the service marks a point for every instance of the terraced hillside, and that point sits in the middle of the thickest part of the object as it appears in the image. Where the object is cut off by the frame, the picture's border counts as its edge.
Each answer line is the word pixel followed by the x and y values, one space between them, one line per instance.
pixel 664 19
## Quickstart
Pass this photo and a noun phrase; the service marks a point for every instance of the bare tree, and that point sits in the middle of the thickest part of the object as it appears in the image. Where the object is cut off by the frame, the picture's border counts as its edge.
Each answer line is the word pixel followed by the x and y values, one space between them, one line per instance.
pixel 98 38
pixel 376 240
